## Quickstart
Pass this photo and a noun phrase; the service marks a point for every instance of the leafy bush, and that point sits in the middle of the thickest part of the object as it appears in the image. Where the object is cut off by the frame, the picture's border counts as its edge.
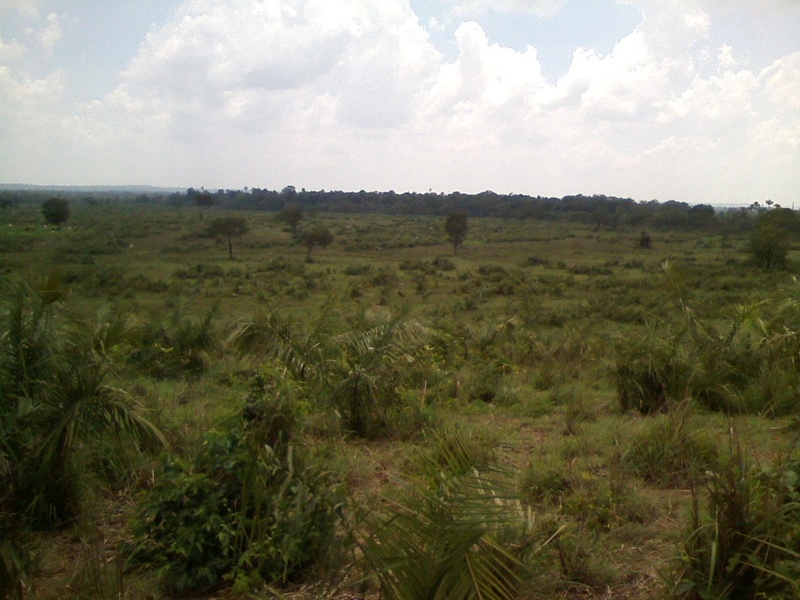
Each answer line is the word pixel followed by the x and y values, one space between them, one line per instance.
pixel 443 264
pixel 56 403
pixel 745 362
pixel 174 345
pixel 544 483
pixel 187 526
pixel 250 506
pixel 200 272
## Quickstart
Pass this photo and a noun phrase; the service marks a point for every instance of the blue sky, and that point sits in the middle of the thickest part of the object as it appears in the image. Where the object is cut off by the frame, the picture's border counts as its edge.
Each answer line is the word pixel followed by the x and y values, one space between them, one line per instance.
pixel 693 100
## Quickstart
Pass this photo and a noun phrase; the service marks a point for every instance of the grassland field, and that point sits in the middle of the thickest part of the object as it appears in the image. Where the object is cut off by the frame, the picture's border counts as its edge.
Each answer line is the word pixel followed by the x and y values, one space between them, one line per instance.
pixel 533 316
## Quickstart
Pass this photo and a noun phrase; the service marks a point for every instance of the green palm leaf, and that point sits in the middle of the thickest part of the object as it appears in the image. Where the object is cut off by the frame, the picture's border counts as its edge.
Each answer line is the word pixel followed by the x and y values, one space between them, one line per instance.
pixel 440 540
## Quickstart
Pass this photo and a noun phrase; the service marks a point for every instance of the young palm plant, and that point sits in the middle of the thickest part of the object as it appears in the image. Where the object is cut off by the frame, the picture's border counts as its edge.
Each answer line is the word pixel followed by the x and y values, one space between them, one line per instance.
pixel 365 369
pixel 77 409
pixel 458 535
pixel 54 402
pixel 358 370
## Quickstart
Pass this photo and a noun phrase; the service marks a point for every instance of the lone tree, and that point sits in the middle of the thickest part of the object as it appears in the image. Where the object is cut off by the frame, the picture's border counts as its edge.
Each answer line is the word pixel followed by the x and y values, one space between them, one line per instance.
pixel 55 211
pixel 772 236
pixel 291 215
pixel 228 228
pixel 456 227
pixel 769 246
pixel 318 235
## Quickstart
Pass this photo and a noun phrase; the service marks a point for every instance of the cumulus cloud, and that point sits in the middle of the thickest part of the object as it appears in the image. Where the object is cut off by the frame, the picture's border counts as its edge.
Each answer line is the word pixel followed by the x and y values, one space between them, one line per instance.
pixel 338 84
pixel 353 94
pixel 364 61
pixel 542 8
pixel 49 36
pixel 10 51
pixel 23 7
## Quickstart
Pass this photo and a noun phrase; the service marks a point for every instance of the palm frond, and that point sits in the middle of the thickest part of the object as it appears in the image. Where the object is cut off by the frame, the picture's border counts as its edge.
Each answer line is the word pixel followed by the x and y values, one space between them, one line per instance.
pixel 269 337
pixel 86 407
pixel 440 540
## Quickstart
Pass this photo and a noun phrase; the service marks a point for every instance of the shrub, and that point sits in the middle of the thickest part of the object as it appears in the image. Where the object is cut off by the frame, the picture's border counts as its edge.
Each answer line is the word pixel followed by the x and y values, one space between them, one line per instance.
pixel 651 371
pixel 744 544
pixel 458 534
pixel 251 506
pixel 443 264
pixel 174 345
pixel 544 483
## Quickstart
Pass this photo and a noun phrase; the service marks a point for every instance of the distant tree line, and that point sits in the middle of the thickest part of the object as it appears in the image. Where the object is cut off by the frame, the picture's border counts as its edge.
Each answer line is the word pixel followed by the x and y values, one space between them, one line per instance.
pixel 604 212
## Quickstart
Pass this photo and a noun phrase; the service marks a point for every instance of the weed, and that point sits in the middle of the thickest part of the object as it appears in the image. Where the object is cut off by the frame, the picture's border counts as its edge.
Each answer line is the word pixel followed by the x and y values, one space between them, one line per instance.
pixel 670 450
pixel 744 544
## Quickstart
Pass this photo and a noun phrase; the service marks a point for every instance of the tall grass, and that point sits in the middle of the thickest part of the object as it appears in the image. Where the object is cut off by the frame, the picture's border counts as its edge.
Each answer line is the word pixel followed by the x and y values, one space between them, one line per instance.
pixel 744 542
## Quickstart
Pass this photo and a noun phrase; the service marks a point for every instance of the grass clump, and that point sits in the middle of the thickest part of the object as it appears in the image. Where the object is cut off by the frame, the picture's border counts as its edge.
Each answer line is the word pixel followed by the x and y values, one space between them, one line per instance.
pixel 670 450
pixel 744 541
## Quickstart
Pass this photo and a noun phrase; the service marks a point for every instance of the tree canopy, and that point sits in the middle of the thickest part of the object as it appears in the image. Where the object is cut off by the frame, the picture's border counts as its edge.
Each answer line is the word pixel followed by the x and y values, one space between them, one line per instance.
pixel 228 228
pixel 318 235
pixel 291 215
pixel 456 227
pixel 55 211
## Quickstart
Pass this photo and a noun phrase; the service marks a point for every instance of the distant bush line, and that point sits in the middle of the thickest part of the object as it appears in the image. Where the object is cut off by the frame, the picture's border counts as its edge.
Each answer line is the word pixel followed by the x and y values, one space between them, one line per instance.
pixel 607 212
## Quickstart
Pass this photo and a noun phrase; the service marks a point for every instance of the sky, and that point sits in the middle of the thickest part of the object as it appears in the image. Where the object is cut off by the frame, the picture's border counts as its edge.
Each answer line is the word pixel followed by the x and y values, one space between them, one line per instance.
pixel 689 100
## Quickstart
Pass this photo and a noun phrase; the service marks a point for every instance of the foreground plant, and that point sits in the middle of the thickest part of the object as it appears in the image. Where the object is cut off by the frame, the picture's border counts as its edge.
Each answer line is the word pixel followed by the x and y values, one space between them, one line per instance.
pixel 56 404
pixel 746 543
pixel 459 534
pixel 251 507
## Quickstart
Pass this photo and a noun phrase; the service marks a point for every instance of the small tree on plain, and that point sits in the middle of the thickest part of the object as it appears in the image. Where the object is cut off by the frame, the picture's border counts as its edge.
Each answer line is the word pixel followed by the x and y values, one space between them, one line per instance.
pixel 290 215
pixel 228 228
pixel 456 227
pixel 774 230
pixel 55 211
pixel 318 235
pixel 769 246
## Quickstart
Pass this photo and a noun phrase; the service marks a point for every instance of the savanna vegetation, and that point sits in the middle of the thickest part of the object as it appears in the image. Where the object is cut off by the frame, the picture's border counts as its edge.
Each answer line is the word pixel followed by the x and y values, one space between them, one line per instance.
pixel 585 397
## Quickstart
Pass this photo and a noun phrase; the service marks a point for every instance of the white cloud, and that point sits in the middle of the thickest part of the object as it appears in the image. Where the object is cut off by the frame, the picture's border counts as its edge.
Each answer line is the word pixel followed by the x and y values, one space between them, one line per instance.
pixel 753 7
pixel 542 8
pixel 49 36
pixel 10 51
pixel 782 83
pixel 23 96
pixel 260 60
pixel 725 59
pixel 23 7
pixel 485 75
pixel 351 94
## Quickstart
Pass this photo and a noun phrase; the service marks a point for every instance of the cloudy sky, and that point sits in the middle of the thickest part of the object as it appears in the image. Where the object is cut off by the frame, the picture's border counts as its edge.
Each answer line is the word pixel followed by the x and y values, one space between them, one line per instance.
pixel 692 100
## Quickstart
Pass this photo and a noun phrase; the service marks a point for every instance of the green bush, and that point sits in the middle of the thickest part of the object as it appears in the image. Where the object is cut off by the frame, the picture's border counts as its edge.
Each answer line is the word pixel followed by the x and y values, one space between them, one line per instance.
pixel 249 507
pixel 544 483
pixel 458 533
pixel 174 345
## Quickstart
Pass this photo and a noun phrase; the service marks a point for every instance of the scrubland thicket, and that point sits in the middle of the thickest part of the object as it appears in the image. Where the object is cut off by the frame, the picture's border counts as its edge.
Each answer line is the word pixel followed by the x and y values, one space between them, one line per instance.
pixel 594 398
